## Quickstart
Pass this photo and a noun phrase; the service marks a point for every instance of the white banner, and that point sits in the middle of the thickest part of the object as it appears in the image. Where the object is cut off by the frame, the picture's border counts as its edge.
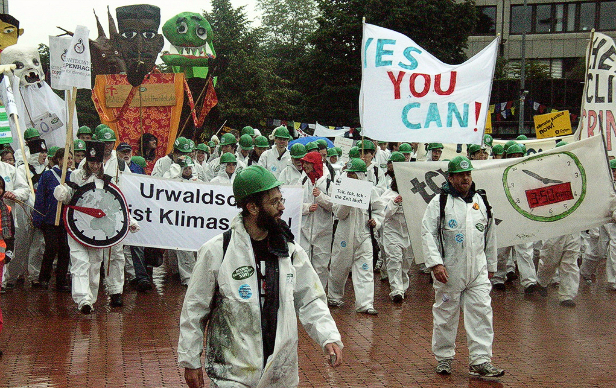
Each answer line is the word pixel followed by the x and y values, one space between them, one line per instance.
pixel 76 70
pixel 185 215
pixel 8 98
pixel 58 49
pixel 598 105
pixel 409 95
pixel 322 131
pixel 352 192
pixel 556 192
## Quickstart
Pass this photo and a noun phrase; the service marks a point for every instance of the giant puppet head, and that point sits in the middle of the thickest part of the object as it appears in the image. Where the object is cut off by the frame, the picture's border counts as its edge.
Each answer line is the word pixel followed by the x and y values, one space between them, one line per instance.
pixel 28 62
pixel 9 31
pixel 139 41
pixel 190 35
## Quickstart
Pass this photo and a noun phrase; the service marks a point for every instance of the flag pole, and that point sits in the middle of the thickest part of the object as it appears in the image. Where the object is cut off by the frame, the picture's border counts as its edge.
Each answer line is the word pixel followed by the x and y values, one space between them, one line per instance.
pixel 69 138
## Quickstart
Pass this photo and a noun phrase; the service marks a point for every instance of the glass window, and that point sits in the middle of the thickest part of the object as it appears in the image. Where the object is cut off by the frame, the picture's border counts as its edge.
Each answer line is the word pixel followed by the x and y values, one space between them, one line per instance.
pixel 520 19
pixel 571 16
pixel 487 21
pixel 559 17
pixel 587 16
pixel 607 16
pixel 544 18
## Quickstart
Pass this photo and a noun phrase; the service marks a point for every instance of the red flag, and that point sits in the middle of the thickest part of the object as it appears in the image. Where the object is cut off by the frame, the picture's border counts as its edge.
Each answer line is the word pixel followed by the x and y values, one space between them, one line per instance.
pixel 209 102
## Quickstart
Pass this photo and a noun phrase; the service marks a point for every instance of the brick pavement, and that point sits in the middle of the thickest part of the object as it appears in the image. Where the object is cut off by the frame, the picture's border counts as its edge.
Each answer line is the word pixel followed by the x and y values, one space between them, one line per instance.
pixel 47 343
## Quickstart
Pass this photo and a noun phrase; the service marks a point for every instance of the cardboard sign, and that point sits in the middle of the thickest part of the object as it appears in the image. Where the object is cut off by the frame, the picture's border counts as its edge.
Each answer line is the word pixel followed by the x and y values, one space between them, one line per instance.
pixel 46 122
pixel 488 124
pixel 151 95
pixel 58 48
pixel 345 144
pixel 5 129
pixel 552 124
pixel 352 192
pixel 77 66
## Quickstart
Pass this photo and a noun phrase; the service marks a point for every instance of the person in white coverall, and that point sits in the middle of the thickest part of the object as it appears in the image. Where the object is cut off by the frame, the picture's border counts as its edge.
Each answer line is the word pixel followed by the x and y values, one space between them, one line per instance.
pixel 278 157
pixel 560 253
pixel 352 248
pixel 248 293
pixel 317 221
pixel 460 250
pixel 227 172
pixel 292 174
pixel 86 261
pixel 228 143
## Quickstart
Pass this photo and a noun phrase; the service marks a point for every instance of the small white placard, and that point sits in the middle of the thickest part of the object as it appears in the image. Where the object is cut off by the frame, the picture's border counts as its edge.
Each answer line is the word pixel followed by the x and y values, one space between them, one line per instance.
pixel 345 144
pixel 46 122
pixel 352 192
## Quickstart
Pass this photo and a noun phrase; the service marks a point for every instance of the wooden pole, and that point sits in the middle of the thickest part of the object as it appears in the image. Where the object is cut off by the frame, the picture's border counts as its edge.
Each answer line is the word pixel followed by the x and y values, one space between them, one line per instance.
pixel 69 139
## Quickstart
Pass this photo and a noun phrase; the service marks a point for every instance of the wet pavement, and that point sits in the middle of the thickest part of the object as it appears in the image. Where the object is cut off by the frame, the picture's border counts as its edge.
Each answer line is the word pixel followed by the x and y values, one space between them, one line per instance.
pixel 47 343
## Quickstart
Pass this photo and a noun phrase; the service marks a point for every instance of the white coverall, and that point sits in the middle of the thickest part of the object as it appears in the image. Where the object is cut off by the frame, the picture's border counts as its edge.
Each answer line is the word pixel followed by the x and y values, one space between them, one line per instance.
pixel 597 244
pixel 274 162
pixel 242 158
pixel 469 246
pixel 397 245
pixel 521 254
pixel 610 265
pixel 380 159
pixel 561 253
pixel 162 165
pixel 317 226
pixel 215 168
pixel 229 305
pixel 223 178
pixel 290 175
pixel 352 251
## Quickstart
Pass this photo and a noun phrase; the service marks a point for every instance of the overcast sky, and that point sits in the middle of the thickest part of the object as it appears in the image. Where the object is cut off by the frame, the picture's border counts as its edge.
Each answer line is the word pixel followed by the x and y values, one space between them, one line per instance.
pixel 39 18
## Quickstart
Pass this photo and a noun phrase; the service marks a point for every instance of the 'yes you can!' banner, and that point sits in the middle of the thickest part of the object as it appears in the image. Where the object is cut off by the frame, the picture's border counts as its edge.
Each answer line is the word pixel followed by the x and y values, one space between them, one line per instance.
pixel 408 95
pixel 556 192
pixel 184 215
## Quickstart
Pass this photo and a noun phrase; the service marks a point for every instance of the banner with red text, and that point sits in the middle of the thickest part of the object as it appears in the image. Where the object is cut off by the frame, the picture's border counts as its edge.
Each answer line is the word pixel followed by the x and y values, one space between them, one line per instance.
pixel 409 95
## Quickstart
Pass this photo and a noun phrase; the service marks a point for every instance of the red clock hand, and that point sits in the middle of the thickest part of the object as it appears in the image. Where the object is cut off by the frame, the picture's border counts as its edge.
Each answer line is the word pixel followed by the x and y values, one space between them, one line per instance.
pixel 96 213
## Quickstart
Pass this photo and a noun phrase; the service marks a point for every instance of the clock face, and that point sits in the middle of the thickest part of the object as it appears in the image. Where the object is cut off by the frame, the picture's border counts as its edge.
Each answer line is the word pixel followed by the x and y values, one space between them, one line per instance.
pixel 546 187
pixel 95 232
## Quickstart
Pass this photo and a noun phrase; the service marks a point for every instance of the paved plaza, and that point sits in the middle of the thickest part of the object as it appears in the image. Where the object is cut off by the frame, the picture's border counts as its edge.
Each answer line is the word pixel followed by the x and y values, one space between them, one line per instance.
pixel 48 343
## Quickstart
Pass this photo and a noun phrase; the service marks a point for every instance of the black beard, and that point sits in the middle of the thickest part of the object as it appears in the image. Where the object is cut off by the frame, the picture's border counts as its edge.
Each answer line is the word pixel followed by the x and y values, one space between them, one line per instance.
pixel 267 222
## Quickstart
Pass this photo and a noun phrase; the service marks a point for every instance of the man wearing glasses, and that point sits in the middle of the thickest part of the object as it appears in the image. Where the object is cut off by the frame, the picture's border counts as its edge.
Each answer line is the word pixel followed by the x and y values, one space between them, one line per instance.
pixel 247 287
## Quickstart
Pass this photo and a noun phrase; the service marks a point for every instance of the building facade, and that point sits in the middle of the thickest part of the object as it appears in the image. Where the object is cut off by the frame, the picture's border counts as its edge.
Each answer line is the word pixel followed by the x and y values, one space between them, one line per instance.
pixel 4 6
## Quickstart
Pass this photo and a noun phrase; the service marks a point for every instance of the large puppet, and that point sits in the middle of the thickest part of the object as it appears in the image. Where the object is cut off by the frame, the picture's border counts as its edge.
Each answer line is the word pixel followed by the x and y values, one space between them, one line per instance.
pixel 143 102
pixel 9 31
pixel 37 104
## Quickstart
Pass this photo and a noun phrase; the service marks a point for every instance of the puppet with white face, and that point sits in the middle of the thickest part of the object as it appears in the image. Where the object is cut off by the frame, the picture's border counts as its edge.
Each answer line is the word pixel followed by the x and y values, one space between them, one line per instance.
pixel 38 106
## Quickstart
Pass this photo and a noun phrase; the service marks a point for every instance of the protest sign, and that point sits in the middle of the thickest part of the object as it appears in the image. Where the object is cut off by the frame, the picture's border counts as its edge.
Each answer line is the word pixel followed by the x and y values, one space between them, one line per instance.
pixel 58 48
pixel 352 192
pixel 76 68
pixel 345 144
pixel 597 115
pixel 557 192
pixel 552 124
pixel 409 95
pixel 322 131
pixel 184 215
pixel 5 128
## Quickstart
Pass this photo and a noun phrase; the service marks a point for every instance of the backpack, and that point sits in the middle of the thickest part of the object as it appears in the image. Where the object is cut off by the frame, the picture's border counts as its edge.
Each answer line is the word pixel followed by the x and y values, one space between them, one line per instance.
pixel 443 202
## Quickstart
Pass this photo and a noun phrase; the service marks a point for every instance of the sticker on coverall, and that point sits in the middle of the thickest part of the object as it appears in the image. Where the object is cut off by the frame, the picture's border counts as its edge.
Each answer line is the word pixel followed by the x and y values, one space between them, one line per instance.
pixel 343 244
pixel 245 291
pixel 453 223
pixel 459 238
pixel 364 266
pixel 479 227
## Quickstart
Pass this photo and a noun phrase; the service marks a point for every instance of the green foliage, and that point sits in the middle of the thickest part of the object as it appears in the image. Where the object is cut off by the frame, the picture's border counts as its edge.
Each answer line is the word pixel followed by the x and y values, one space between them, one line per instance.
pixel 533 70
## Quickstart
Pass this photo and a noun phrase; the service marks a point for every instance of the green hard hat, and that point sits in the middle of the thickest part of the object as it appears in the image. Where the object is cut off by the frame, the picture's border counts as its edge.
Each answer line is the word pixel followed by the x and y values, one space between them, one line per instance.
pixel 321 143
pixel 354 152
pixel 52 151
pixel 30 133
pixel 366 145
pixel 228 139
pixel 397 157
pixel 405 148
pixel 99 128
pixel 84 130
pixel 298 151
pixel 474 148
pixel 139 161
pixel 498 149
pixel 248 130
pixel 521 137
pixel 613 164
pixel 246 142
pixel 311 146
pixel 228 157
pixel 434 146
pixel 261 142
pixel 183 145
pixel 79 145
pixel 187 162
pixel 211 144
pixel 509 144
pixel 251 180
pixel 515 149
pixel 106 135
pixel 339 151
pixel 203 147
pixel 282 132
pixel 356 165
pixel 459 164
pixel 561 143
pixel 332 152
pixel 487 140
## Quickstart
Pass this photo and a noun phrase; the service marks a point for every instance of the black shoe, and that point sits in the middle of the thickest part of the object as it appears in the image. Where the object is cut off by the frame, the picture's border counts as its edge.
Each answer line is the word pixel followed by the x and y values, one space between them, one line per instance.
pixel 499 286
pixel 530 289
pixel 511 276
pixel 116 300
pixel 567 303
pixel 86 309
pixel 36 284
pixel 543 291
pixel 397 298
pixel 143 285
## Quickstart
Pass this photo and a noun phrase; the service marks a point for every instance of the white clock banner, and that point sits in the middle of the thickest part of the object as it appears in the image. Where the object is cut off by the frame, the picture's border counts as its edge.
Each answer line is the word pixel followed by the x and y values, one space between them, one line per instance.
pixel 553 193
pixel 184 215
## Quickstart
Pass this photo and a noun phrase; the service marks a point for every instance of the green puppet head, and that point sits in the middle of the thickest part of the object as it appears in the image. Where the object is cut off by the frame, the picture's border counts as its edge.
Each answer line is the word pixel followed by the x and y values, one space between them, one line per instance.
pixel 190 35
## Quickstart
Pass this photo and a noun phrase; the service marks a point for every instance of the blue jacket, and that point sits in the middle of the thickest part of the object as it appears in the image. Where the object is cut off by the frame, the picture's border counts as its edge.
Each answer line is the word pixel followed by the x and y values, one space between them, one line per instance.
pixel 45 202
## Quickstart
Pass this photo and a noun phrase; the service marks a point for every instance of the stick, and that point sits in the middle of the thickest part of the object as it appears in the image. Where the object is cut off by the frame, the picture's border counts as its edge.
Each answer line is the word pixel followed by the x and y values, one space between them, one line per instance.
pixel 69 139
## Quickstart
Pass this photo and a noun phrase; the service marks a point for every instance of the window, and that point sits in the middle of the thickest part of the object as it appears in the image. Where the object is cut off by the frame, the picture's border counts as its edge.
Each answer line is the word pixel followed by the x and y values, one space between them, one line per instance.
pixel 563 17
pixel 607 15
pixel 571 16
pixel 487 21
pixel 587 16
pixel 520 19
pixel 543 18
pixel 559 17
